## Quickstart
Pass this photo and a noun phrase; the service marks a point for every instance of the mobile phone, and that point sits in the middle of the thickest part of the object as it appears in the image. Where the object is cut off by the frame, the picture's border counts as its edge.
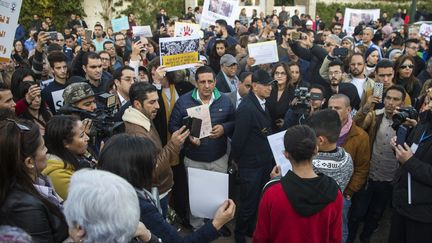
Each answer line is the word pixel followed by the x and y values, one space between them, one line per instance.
pixel 340 52
pixel 193 124
pixel 52 35
pixel 401 135
pixel 187 121
pixel 88 35
pixel 378 90
pixel 135 39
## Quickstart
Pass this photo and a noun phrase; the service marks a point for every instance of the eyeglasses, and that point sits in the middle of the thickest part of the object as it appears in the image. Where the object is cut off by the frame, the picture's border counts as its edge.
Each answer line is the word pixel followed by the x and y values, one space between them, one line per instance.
pixel 413 47
pixel 110 48
pixel 21 127
pixel 407 66
pixel 334 73
pixel 280 73
pixel 105 59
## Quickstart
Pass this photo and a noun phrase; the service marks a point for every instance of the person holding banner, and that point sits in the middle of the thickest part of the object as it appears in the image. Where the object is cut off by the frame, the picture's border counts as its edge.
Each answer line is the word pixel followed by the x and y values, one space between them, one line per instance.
pixel 221 33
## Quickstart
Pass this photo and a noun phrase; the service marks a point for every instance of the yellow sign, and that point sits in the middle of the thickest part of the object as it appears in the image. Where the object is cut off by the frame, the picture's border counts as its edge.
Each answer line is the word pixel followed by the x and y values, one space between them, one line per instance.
pixel 180 59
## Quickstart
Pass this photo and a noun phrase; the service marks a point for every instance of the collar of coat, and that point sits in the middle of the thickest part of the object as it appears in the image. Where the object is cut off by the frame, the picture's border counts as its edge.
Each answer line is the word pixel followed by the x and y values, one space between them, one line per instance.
pixel 216 94
pixel 135 116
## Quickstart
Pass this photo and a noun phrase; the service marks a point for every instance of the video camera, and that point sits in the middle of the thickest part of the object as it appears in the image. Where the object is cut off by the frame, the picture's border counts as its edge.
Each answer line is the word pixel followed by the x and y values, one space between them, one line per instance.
pixel 103 124
pixel 303 98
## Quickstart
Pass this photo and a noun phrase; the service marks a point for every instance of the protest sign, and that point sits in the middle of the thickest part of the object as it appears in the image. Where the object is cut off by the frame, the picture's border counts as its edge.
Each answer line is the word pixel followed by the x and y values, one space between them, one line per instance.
pixel 219 9
pixel 354 16
pixel 120 24
pixel 426 31
pixel 9 13
pixel 178 53
pixel 264 52
pixel 58 99
pixel 142 31
pixel 186 29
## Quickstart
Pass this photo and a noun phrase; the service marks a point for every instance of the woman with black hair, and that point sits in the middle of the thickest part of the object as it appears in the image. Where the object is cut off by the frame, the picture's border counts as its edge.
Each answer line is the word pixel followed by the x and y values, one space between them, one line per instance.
pixel 67 144
pixel 37 110
pixel 404 75
pixel 20 54
pixel 133 158
pixel 219 49
pixel 26 198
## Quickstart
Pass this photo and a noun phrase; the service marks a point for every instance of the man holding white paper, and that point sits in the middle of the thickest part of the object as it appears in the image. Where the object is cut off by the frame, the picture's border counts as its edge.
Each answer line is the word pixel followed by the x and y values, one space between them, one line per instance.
pixel 208 153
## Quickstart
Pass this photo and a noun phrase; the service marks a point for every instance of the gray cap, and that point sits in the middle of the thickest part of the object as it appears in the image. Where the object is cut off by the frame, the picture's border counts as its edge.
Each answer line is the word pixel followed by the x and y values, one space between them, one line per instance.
pixel 76 92
pixel 336 38
pixel 228 60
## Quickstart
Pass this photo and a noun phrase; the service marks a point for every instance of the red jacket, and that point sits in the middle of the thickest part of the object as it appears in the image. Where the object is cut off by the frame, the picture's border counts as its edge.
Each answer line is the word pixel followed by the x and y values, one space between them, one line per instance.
pixel 278 221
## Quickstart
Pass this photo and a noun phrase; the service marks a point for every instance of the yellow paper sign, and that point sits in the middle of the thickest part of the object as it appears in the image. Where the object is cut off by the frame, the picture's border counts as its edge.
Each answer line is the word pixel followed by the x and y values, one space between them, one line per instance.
pixel 180 59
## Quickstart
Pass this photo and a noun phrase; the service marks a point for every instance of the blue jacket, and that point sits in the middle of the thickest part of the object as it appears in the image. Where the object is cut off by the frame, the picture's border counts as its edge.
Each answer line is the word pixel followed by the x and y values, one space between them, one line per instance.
pixel 250 148
pixel 221 113
pixel 154 221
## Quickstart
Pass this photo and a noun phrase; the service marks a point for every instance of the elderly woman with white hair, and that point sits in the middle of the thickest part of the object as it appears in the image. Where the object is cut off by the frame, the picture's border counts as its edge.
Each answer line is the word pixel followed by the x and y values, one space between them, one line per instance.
pixel 103 207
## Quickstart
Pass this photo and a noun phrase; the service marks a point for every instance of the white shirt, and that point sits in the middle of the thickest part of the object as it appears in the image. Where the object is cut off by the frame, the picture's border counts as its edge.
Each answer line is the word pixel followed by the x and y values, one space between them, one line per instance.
pixel 262 102
pixel 239 99
pixel 359 83
pixel 121 99
pixel 168 95
pixel 211 100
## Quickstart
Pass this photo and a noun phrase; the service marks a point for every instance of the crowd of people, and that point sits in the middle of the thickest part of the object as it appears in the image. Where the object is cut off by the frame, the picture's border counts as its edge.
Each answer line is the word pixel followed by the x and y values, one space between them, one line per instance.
pixel 94 146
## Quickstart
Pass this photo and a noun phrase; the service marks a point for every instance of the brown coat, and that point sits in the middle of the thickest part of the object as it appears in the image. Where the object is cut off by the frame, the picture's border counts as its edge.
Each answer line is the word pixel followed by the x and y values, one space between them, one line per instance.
pixel 138 124
pixel 358 146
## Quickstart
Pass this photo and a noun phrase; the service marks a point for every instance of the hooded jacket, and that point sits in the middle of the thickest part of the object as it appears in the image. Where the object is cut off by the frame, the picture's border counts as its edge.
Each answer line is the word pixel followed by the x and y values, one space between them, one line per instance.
pixel 136 123
pixel 311 211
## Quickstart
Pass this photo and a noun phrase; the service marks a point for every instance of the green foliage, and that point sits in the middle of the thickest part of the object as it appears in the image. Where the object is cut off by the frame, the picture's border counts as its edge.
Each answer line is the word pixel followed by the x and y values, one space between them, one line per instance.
pixel 327 11
pixel 284 2
pixel 145 11
pixel 58 10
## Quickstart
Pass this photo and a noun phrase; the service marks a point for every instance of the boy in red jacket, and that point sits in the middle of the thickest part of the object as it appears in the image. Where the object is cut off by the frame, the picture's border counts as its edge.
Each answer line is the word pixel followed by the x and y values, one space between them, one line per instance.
pixel 301 206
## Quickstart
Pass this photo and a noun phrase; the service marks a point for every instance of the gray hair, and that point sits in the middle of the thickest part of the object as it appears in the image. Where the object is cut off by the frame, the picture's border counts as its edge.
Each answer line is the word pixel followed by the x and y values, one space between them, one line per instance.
pixel 104 205
pixel 341 96
pixel 335 38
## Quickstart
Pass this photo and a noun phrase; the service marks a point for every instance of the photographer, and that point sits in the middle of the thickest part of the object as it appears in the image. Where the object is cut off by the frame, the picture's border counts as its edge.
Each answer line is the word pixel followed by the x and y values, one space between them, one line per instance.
pixel 296 116
pixel 412 193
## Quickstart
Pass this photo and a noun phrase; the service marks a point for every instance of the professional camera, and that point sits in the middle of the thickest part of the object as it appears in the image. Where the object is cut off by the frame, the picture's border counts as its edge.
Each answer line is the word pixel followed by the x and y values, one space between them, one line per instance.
pixel 303 97
pixel 404 113
pixel 103 124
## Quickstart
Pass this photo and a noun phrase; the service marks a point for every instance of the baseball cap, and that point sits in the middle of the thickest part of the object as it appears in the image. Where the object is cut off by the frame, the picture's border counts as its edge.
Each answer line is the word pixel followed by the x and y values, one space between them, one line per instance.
pixel 309 22
pixel 228 60
pixel 76 92
pixel 262 77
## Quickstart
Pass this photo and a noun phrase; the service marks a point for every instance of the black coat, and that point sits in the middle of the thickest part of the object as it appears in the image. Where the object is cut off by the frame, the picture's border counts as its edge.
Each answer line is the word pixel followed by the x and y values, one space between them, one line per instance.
pixel 221 83
pixel 27 212
pixel 250 148
pixel 420 168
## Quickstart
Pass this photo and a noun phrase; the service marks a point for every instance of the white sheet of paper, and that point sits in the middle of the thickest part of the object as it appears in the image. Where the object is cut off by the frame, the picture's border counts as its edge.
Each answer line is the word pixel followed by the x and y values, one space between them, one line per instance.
pixel 58 99
pixel 202 112
pixel 207 191
pixel 264 52
pixel 142 31
pixel 9 14
pixel 186 29
pixel 276 142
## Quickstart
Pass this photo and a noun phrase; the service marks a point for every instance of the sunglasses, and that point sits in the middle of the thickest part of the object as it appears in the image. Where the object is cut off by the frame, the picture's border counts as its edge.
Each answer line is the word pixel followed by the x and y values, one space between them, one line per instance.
pixel 21 127
pixel 407 66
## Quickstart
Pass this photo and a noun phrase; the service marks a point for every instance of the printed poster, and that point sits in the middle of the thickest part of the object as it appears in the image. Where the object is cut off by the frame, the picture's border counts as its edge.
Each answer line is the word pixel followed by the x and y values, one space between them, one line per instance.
pixel 9 14
pixel 186 29
pixel 178 53
pixel 219 9
pixel 353 17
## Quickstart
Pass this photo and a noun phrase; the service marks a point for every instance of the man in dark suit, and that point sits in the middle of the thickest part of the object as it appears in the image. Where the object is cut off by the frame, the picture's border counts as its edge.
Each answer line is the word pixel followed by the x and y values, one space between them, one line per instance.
pixel 227 80
pixel 161 18
pixel 243 88
pixel 251 151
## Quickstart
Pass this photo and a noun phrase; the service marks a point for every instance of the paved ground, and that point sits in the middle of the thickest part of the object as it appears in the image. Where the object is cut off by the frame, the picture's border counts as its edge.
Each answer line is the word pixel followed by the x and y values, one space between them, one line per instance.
pixel 380 236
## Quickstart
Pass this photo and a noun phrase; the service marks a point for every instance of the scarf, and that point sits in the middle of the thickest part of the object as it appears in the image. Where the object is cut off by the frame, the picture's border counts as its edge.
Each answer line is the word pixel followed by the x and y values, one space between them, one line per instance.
pixel 168 109
pixel 344 131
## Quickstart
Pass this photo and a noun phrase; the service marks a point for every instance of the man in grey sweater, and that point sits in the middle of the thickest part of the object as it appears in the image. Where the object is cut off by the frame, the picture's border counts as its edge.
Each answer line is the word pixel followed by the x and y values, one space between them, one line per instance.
pixel 331 160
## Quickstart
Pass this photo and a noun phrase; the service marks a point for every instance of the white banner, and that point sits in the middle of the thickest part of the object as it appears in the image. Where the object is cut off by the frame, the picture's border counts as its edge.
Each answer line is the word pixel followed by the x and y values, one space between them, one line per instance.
pixel 426 31
pixel 186 29
pixel 9 14
pixel 219 9
pixel 353 17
